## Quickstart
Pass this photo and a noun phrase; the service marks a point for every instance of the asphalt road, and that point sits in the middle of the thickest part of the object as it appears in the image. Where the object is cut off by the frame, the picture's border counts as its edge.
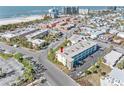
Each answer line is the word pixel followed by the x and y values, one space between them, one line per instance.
pixel 55 77
pixel 12 68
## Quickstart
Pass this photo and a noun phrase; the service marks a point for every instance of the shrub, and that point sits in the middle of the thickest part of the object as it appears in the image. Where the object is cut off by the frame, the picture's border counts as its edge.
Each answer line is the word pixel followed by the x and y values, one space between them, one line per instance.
pixel 95 71
pixel 103 73
pixel 88 72
pixel 97 66
pixel 18 56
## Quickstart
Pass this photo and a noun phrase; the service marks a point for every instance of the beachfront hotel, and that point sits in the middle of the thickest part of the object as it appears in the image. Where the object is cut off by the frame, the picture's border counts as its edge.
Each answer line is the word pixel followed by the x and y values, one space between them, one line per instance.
pixel 71 55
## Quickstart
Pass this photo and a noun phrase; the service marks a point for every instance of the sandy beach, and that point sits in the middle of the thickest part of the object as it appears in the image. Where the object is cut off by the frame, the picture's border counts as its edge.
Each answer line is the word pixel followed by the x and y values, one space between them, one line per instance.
pixel 19 19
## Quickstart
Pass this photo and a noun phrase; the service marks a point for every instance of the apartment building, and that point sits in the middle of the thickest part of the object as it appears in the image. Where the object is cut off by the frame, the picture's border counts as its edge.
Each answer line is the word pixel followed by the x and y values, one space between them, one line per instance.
pixel 71 55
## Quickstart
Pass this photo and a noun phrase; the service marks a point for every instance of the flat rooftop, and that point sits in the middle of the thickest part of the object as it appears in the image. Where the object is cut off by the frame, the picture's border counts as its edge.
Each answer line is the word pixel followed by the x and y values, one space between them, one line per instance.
pixel 114 78
pixel 37 41
pixel 13 70
pixel 77 48
pixel 112 57
pixel 76 38
pixel 35 33
pixel 8 35
pixel 120 34
pixel 24 31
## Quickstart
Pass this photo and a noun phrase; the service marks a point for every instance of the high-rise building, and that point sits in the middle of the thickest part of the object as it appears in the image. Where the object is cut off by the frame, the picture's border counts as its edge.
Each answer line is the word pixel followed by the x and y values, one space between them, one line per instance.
pixel 70 10
pixel 120 9
pixel 54 12
pixel 113 8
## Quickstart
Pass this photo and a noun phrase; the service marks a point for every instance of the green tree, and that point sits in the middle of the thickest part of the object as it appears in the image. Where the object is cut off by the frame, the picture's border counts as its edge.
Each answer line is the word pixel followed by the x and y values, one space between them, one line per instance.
pixel 18 56
pixel 88 72
pixel 120 65
pixel 99 61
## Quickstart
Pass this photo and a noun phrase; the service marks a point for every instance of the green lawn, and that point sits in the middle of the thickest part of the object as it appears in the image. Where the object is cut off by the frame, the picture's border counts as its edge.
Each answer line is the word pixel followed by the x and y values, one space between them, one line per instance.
pixel 5 56
pixel 94 73
pixel 28 73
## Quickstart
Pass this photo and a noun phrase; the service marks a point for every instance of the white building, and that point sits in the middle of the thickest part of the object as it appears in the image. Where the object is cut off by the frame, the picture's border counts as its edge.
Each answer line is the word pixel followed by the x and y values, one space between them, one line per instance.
pixel 83 11
pixel 114 32
pixel 114 78
pixel 71 55
pixel 112 58
pixel 8 36
pixel 106 37
pixel 120 34
pixel 96 34
pixel 37 42
pixel 75 39
pixel 122 28
pixel 39 32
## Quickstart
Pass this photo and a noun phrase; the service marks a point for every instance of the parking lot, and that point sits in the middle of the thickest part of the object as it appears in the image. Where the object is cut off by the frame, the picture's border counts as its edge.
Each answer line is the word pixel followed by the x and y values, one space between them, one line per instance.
pixel 11 70
pixel 86 63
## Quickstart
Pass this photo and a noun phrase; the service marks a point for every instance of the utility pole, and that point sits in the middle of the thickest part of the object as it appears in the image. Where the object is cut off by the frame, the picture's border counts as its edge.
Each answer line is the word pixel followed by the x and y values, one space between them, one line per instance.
pixel 0 71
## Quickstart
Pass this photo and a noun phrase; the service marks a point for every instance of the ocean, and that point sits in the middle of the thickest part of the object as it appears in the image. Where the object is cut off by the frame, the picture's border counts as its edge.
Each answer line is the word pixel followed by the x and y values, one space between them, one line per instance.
pixel 24 11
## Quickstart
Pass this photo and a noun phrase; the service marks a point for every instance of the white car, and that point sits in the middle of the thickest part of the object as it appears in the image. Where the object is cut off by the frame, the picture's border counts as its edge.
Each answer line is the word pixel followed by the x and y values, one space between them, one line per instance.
pixel 15 46
pixel 80 73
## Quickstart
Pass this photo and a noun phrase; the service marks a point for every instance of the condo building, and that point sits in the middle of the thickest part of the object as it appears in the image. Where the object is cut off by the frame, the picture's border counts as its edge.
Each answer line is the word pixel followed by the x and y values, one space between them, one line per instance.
pixel 70 10
pixel 70 56
pixel 39 33
pixel 54 12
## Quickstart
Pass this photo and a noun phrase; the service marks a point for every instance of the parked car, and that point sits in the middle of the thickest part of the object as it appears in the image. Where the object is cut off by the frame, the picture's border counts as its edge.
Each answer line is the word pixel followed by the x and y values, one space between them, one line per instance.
pixel 43 80
pixel 79 73
pixel 15 46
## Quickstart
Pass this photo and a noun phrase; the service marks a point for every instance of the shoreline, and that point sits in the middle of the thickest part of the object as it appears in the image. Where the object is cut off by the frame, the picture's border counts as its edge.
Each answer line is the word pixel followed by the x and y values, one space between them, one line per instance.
pixel 19 19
